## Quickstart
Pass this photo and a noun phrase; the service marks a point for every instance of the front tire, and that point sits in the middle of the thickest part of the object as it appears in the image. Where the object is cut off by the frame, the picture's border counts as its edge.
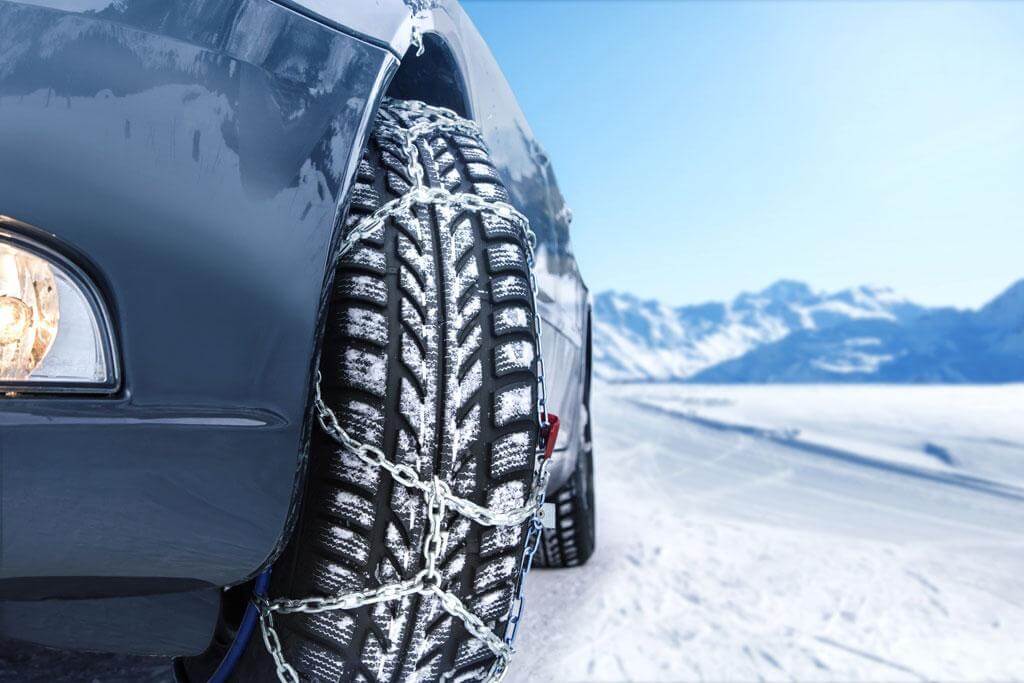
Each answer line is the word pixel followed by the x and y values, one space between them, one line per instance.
pixel 429 356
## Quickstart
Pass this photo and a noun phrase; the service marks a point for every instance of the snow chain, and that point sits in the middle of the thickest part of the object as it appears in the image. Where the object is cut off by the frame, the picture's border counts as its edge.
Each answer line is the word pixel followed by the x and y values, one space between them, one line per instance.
pixel 437 494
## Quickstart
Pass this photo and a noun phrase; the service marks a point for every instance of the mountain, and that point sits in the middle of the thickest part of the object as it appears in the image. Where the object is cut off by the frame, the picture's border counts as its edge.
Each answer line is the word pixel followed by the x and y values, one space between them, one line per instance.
pixel 790 333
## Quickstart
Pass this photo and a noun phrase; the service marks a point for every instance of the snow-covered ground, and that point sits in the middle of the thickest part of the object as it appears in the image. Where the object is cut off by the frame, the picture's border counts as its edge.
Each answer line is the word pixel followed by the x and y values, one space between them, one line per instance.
pixel 794 533
pixel 781 532
pixel 954 429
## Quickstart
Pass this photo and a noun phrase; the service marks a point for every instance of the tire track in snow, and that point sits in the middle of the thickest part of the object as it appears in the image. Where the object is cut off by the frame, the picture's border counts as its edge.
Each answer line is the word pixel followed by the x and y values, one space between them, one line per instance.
pixel 785 439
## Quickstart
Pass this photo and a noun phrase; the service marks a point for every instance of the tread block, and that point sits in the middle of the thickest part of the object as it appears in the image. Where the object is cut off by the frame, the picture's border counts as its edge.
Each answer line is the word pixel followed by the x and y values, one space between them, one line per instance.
pixel 491 191
pixel 463 237
pixel 414 322
pixel 510 288
pixel 468 277
pixel 418 262
pixel 335 627
pixel 369 259
pixel 509 453
pixel 513 403
pixel 505 258
pixel 506 497
pixel 365 370
pixel 470 343
pixel 350 469
pixel 411 286
pixel 513 356
pixel 509 319
pixel 330 578
pixel 320 662
pixel 470 652
pixel 362 421
pixel 496 227
pixel 493 605
pixel 465 142
pixel 445 161
pixel 365 198
pixel 345 541
pixel 414 360
pixel 363 324
pixel 365 173
pixel 500 539
pixel 351 506
pixel 416 412
pixel 469 311
pixel 482 171
pixel 469 430
pixel 362 287
pixel 474 154
pixel 451 180
pixel 492 573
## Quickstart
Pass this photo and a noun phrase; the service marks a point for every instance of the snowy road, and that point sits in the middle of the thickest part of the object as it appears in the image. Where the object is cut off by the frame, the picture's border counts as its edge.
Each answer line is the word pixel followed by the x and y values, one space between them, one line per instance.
pixel 728 555
pixel 735 553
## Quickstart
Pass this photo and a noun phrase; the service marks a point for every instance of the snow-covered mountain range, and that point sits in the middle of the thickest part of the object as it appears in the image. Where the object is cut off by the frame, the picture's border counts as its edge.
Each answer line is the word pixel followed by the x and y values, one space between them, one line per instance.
pixel 791 333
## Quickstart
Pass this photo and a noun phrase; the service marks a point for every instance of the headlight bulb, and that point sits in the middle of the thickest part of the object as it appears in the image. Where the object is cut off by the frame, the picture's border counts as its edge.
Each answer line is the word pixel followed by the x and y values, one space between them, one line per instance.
pixel 29 312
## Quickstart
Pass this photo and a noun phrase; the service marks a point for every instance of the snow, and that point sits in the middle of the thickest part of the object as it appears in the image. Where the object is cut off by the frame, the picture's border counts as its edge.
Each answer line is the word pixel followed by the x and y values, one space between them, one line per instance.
pixel 854 356
pixel 636 340
pixel 771 532
pixel 979 426
pixel 728 552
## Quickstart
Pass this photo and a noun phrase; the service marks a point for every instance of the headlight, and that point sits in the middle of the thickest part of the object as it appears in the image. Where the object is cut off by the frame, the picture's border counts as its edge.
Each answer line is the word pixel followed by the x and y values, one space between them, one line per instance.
pixel 53 331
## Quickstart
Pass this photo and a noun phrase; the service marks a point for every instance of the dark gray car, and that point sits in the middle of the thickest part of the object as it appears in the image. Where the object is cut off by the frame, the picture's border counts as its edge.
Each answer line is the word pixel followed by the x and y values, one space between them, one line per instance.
pixel 287 307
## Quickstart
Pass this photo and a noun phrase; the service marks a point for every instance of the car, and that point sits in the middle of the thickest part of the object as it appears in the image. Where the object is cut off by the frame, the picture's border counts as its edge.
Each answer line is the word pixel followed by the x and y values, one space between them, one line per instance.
pixel 294 349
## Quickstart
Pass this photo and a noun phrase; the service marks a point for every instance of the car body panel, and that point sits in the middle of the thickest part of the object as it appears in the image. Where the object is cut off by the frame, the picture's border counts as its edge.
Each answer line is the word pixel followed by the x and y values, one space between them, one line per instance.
pixel 387 23
pixel 200 170
pixel 168 624
pixel 193 156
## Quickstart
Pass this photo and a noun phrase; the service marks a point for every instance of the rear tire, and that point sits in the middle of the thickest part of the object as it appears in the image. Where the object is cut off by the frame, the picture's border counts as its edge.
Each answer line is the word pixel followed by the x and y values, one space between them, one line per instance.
pixel 429 356
pixel 572 540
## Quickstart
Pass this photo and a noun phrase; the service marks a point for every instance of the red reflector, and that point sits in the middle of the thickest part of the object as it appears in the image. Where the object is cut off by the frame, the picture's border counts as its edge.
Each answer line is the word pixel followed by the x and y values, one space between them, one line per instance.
pixel 549 435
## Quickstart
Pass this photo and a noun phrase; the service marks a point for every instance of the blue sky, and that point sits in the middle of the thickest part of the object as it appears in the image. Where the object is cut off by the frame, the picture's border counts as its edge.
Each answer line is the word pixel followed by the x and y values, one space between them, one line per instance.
pixel 708 148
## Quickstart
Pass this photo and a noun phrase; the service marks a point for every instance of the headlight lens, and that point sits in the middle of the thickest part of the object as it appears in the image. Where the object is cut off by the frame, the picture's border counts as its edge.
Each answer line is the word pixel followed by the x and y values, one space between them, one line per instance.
pixel 29 312
pixel 50 331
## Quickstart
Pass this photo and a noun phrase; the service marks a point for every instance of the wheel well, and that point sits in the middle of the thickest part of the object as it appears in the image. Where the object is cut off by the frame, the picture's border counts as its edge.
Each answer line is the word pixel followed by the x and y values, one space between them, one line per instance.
pixel 432 77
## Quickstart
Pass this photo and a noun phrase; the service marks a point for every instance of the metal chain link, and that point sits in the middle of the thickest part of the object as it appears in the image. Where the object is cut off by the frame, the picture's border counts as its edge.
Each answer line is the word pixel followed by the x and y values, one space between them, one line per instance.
pixel 437 494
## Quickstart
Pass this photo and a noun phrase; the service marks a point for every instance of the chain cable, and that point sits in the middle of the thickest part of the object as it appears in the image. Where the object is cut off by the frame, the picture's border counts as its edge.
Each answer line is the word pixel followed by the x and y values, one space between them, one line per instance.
pixel 437 494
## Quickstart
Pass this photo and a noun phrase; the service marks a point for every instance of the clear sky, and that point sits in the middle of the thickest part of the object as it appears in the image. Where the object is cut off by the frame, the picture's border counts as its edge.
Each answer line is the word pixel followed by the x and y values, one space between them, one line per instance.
pixel 712 147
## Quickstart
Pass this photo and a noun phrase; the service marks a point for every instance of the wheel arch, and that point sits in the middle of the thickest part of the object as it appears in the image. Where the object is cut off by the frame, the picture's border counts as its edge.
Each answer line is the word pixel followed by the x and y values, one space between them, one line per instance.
pixel 431 75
